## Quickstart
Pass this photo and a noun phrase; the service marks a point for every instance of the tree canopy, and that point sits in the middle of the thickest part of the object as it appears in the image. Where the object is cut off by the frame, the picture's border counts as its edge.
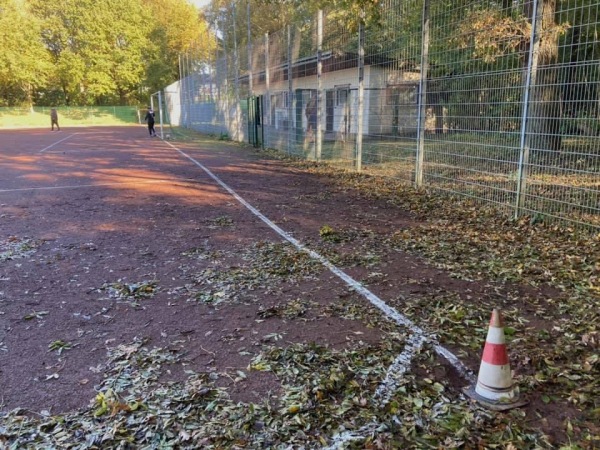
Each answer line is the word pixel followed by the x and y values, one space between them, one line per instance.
pixel 24 63
pixel 94 52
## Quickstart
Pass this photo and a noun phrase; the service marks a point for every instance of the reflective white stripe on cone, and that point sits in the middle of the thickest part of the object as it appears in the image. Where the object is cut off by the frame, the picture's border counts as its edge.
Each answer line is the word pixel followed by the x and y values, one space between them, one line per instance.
pixel 498 384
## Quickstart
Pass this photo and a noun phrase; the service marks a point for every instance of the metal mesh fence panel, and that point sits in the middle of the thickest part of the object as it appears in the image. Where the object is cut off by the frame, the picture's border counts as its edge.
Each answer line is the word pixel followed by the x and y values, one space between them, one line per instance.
pixel 495 100
pixel 276 92
pixel 302 50
pixel 562 168
pixel 474 101
pixel 393 59
pixel 70 115
pixel 339 90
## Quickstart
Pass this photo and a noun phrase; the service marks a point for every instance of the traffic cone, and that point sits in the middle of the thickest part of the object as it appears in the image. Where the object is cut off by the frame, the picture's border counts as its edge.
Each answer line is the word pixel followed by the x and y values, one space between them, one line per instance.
pixel 494 388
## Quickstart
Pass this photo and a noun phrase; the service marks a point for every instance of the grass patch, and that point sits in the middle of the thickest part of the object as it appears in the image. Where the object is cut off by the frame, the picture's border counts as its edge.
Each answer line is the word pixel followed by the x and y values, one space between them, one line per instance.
pixel 39 117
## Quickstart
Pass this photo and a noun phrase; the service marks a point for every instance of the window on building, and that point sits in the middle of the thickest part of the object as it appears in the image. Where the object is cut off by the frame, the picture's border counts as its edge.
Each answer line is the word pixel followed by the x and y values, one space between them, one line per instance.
pixel 341 95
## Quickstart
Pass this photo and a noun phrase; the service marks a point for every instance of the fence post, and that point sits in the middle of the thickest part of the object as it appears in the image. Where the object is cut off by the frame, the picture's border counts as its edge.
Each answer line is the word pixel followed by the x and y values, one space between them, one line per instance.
pixel 183 92
pixel 267 102
pixel 160 114
pixel 218 79
pixel 422 107
pixel 530 80
pixel 180 90
pixel 290 88
pixel 191 86
pixel 250 86
pixel 236 68
pixel 226 85
pixel 361 93
pixel 187 89
pixel 182 103
pixel 320 102
pixel 211 72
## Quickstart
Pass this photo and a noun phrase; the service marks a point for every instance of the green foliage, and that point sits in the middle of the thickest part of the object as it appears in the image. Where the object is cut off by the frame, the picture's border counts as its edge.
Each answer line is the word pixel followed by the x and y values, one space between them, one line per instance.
pixel 84 52
pixel 97 48
pixel 177 27
pixel 354 11
pixel 24 64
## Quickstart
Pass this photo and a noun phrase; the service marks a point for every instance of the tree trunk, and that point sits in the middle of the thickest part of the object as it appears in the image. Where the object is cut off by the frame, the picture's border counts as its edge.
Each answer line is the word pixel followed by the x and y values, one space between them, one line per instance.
pixel 30 97
pixel 546 107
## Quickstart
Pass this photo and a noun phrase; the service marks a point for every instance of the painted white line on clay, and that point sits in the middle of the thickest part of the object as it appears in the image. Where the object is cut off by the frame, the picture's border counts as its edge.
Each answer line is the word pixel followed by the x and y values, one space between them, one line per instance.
pixel 390 312
pixel 346 436
pixel 400 365
pixel 56 143
pixel 385 391
pixel 389 385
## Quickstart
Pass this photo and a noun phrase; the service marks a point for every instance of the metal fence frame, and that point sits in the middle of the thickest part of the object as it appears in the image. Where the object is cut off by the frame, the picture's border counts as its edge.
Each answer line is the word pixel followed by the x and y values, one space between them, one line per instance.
pixel 453 98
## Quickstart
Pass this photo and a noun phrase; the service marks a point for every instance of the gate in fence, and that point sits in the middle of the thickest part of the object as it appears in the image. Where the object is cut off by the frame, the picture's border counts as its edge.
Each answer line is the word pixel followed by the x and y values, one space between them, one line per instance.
pixel 256 134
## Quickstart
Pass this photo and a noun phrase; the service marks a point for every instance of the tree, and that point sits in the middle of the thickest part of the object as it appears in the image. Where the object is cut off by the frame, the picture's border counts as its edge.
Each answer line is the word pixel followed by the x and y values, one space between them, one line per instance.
pixel 111 51
pixel 578 46
pixel 351 12
pixel 546 105
pixel 115 50
pixel 97 47
pixel 178 28
pixel 24 65
pixel 495 37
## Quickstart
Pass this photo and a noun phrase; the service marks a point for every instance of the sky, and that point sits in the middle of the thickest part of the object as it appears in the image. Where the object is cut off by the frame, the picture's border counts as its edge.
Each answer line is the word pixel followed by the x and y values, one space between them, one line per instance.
pixel 199 3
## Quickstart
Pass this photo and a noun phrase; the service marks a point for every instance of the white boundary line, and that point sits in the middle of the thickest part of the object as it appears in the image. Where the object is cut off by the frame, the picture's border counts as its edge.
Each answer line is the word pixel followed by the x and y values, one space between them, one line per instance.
pixel 347 436
pixel 52 145
pixel 390 312
pixel 386 389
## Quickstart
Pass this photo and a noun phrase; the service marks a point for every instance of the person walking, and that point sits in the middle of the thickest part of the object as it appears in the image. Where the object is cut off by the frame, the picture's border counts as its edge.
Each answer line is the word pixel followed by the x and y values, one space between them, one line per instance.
pixel 150 119
pixel 54 119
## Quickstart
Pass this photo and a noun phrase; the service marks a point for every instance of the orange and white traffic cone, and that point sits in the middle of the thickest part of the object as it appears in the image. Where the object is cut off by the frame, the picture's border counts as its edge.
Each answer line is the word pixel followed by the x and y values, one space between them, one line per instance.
pixel 495 388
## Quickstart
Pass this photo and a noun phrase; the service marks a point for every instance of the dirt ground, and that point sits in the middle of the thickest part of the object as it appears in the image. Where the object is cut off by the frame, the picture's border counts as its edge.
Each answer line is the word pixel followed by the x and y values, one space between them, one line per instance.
pixel 110 236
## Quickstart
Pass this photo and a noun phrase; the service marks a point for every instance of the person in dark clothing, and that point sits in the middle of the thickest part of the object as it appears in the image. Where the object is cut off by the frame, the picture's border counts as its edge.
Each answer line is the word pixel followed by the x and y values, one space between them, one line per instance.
pixel 54 119
pixel 150 119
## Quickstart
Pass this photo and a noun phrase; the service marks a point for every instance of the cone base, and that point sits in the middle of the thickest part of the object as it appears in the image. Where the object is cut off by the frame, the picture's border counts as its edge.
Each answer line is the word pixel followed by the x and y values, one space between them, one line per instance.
pixel 490 404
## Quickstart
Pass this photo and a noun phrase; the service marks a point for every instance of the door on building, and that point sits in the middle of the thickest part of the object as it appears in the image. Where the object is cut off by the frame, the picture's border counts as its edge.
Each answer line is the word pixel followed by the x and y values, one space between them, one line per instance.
pixel 255 121
pixel 329 109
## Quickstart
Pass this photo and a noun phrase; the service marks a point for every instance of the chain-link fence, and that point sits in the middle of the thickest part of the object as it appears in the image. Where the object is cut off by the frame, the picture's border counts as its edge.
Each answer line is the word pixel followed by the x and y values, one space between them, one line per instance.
pixel 495 100
pixel 39 116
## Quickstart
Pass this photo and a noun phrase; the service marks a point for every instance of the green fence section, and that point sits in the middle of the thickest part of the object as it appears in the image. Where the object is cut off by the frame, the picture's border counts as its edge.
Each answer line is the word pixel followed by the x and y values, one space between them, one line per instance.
pixel 39 117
